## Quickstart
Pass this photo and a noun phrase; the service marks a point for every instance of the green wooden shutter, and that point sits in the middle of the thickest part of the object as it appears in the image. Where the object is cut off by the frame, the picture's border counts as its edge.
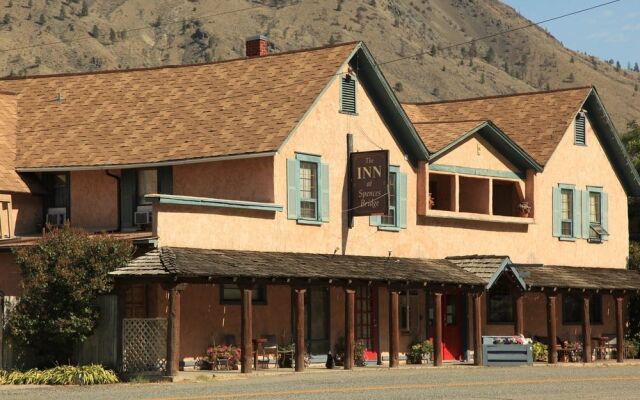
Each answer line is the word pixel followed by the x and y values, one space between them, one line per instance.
pixel 324 192
pixel 577 212
pixel 401 199
pixel 580 134
pixel 604 213
pixel 293 188
pixel 557 212
pixel 348 95
pixel 128 182
pixel 375 220
pixel 165 180
pixel 586 223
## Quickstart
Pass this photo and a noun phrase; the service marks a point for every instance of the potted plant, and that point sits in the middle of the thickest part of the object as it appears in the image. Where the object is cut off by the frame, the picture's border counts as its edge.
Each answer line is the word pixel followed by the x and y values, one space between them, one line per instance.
pixel 417 352
pixel 359 354
pixel 524 209
pixel 285 355
pixel 338 357
pixel 432 201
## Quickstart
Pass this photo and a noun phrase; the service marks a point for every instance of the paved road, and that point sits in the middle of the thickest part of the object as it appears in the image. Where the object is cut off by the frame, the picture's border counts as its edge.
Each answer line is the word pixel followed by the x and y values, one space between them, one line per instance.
pixel 540 382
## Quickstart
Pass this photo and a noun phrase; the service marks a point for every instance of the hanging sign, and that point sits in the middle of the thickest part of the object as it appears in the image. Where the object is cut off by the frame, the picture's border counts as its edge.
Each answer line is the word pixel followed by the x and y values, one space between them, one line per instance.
pixel 369 182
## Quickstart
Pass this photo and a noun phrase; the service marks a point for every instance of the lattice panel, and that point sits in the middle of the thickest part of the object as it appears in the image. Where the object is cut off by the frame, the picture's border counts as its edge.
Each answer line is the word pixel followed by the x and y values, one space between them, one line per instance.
pixel 144 344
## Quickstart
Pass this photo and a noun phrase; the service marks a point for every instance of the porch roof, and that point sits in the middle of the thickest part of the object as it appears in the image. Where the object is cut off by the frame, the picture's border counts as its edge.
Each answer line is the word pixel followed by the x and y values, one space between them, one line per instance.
pixel 559 276
pixel 185 264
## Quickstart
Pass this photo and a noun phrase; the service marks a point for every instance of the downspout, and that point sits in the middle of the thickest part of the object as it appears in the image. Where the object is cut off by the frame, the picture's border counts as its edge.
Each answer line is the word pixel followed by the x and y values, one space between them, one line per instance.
pixel 117 178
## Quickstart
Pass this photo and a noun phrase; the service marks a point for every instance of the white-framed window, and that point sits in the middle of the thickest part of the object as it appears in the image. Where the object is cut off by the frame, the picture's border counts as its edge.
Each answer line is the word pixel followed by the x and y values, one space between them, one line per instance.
pixel 396 218
pixel 307 189
pixel 567 212
pixel 390 219
pixel 595 222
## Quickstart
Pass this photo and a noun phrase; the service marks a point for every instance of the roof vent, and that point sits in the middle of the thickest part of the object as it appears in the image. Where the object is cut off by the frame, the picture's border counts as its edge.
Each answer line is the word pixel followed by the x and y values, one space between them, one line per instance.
pixel 257 46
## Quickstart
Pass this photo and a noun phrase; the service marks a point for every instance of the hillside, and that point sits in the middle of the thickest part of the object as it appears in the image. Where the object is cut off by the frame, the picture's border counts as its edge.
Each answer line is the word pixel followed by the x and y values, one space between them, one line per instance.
pixel 98 35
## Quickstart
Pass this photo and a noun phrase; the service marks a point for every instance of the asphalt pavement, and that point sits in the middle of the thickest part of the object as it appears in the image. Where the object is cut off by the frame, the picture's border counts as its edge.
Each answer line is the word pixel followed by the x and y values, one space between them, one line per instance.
pixel 460 382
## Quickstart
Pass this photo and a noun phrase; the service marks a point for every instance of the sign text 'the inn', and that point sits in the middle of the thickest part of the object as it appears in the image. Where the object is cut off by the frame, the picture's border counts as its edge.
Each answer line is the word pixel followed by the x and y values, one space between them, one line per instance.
pixel 369 182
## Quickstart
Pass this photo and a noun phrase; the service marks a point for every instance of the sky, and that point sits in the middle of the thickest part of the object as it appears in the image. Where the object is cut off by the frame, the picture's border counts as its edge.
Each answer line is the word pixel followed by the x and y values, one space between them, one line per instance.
pixel 609 32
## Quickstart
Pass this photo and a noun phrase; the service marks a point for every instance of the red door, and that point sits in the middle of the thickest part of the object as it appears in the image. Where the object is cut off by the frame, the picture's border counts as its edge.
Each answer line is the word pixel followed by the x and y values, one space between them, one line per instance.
pixel 451 327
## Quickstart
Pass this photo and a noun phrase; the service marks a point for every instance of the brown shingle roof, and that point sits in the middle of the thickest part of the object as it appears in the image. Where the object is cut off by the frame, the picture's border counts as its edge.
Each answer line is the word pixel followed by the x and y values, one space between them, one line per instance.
pixel 535 121
pixel 550 276
pixel 10 180
pixel 480 265
pixel 194 263
pixel 169 113
pixel 437 135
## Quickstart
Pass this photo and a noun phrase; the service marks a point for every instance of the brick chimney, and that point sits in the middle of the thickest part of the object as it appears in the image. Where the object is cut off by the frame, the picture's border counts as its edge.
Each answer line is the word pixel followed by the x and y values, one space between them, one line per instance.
pixel 257 46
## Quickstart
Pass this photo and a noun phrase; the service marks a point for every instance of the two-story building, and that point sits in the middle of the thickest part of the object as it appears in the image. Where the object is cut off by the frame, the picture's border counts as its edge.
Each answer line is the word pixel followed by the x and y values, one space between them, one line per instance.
pixel 234 180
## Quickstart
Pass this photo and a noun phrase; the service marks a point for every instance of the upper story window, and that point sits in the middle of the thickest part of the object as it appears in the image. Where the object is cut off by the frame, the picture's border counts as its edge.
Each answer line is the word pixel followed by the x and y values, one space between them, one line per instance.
pixel 307 189
pixel 396 218
pixel 580 213
pixel 580 132
pixel 147 184
pixel 348 94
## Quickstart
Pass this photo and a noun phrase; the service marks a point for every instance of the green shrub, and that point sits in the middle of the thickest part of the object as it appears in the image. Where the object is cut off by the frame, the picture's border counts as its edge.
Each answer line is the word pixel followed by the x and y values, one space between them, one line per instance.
pixel 61 375
pixel 539 351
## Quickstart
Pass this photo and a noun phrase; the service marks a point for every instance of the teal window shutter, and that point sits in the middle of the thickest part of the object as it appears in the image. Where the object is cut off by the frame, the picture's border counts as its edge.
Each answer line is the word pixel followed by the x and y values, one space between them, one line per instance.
pixel 165 180
pixel 401 196
pixel 604 210
pixel 348 95
pixel 293 183
pixel 375 220
pixel 580 134
pixel 557 212
pixel 128 183
pixel 324 192
pixel 577 211
pixel 586 223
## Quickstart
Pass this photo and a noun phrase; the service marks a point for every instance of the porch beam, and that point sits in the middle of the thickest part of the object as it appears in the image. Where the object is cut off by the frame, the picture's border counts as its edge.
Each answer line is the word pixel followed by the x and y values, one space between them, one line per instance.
pixel 437 334
pixel 586 329
pixel 552 330
pixel 300 332
pixel 246 328
pixel 477 328
pixel 173 329
pixel 121 293
pixel 394 328
pixel 519 327
pixel 349 327
pixel 620 327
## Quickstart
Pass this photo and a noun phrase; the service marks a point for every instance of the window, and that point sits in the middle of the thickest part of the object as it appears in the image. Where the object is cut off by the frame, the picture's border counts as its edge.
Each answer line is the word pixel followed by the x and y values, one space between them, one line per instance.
pixel 450 315
pixel 308 190
pixel 405 311
pixel 230 294
pixel 396 218
pixel 595 219
pixel 348 95
pixel 567 212
pixel 572 309
pixel 500 307
pixel 567 223
pixel 147 184
pixel 59 190
pixel 390 219
pixel 580 134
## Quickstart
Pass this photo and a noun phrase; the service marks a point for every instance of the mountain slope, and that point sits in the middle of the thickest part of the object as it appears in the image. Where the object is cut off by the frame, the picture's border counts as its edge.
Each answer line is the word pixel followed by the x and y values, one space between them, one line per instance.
pixel 188 31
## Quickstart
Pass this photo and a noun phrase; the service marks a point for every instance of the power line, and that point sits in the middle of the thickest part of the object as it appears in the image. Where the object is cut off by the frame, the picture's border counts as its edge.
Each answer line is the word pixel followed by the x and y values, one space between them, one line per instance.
pixel 140 28
pixel 502 32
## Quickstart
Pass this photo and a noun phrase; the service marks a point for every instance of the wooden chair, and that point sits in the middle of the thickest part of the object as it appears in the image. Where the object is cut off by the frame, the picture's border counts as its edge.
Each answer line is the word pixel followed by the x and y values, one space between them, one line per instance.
pixel 270 348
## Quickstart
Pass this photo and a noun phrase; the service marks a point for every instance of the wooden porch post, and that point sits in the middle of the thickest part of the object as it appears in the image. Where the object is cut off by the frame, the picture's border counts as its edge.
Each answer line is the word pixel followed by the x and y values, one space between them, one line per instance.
pixel 246 327
pixel 349 327
pixel 519 327
pixel 300 345
pixel 377 327
pixel 552 331
pixel 620 327
pixel 477 329
pixel 394 327
pixel 121 293
pixel 437 332
pixel 173 329
pixel 586 329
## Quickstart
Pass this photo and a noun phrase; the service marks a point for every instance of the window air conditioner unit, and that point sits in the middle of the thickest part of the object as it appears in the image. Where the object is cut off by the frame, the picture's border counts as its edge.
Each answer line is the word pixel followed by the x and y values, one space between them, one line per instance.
pixel 142 216
pixel 56 216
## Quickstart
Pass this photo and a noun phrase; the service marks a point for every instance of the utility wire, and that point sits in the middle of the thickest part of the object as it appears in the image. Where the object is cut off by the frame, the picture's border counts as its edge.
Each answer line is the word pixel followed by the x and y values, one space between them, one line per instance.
pixel 140 28
pixel 503 32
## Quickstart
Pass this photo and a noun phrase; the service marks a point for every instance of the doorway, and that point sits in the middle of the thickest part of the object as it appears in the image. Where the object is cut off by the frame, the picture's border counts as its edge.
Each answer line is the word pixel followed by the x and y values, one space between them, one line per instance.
pixel 317 320
pixel 366 320
pixel 453 319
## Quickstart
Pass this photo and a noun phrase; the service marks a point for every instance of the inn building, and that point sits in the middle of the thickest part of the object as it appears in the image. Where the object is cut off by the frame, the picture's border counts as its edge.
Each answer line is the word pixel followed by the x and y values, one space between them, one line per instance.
pixel 237 182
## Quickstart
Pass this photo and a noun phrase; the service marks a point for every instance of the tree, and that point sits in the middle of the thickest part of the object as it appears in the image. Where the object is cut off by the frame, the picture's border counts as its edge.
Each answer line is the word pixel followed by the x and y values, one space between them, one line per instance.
pixel 84 11
pixel 490 55
pixel 43 19
pixel 6 20
pixel 62 275
pixel 112 35
pixel 473 50
pixel 432 51
pixel 95 31
pixel 63 13
pixel 618 66
pixel 636 68
pixel 572 60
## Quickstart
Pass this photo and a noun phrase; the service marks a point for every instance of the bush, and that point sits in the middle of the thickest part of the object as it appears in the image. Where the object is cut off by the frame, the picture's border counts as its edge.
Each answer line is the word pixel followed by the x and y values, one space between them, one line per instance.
pixel 416 351
pixel 61 375
pixel 539 352
pixel 63 274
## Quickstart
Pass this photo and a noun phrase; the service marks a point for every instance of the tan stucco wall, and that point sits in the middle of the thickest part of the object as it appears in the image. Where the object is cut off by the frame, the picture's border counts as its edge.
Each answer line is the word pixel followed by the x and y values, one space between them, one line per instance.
pixel 27 213
pixel 475 152
pixel 94 200
pixel 245 179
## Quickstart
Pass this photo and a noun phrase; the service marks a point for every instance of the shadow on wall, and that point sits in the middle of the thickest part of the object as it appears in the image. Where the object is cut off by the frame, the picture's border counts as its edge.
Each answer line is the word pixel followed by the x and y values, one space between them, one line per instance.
pixel 472 225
